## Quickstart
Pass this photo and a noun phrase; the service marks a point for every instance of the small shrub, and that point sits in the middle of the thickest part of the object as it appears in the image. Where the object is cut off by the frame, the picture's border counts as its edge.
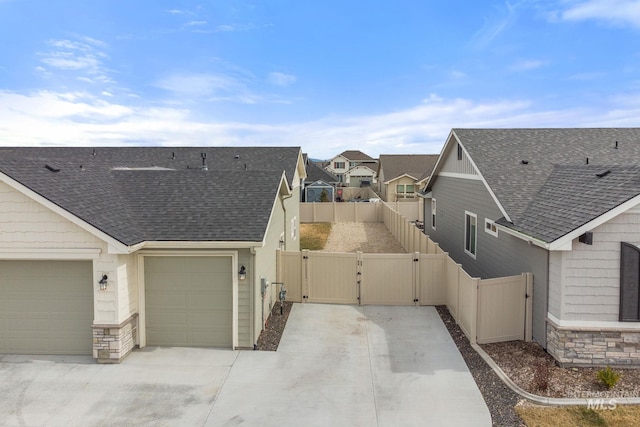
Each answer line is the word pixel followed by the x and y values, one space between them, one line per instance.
pixel 541 376
pixel 608 377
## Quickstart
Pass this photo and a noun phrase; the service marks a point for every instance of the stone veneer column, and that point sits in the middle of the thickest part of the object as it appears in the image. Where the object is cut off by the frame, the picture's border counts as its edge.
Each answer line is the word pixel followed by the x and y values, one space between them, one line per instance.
pixel 593 346
pixel 112 343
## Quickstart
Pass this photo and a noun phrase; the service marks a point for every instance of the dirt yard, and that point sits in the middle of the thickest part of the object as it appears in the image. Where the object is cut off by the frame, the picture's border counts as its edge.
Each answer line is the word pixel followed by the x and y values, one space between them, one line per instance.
pixel 370 237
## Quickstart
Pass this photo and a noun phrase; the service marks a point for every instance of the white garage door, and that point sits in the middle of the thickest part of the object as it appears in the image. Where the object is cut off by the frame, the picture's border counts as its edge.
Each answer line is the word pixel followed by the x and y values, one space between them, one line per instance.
pixel 188 301
pixel 46 307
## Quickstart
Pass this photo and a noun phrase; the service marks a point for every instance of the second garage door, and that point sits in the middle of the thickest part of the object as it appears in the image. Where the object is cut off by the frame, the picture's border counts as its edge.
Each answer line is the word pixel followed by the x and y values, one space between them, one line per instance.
pixel 188 301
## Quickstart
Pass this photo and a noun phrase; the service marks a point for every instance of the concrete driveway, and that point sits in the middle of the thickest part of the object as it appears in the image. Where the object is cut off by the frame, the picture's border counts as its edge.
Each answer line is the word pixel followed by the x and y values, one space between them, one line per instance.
pixel 336 365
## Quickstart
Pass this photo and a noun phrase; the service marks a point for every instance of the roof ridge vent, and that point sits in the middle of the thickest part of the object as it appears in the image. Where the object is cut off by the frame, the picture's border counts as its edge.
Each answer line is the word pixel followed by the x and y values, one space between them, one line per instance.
pixel 52 168
pixel 603 173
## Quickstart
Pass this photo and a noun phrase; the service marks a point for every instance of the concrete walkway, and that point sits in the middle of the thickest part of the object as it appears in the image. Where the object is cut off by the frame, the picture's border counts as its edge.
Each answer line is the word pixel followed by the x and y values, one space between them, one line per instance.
pixel 336 365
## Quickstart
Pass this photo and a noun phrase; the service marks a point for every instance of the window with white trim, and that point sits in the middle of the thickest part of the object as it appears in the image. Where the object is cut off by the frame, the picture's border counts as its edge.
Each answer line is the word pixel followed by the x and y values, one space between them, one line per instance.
pixel 470 233
pixel 338 165
pixel 433 213
pixel 490 227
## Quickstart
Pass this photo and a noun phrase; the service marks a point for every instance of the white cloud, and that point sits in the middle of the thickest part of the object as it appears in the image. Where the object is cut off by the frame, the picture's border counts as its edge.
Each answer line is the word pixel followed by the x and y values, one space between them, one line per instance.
pixel 281 79
pixel 82 57
pixel 618 12
pixel 494 25
pixel 195 23
pixel 70 118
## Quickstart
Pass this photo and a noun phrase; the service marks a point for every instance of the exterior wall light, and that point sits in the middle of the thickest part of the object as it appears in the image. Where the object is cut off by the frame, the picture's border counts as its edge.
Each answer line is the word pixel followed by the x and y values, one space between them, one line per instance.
pixel 103 282
pixel 242 274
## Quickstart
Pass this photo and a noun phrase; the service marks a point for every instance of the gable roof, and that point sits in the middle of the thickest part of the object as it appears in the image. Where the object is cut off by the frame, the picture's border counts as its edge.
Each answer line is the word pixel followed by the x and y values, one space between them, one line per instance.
pixel 356 155
pixel 419 166
pixel 137 194
pixel 574 195
pixel 525 168
pixel 317 173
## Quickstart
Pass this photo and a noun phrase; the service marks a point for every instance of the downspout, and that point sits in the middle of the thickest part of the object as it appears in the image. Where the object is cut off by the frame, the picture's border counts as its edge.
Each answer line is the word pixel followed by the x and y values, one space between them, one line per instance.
pixel 284 210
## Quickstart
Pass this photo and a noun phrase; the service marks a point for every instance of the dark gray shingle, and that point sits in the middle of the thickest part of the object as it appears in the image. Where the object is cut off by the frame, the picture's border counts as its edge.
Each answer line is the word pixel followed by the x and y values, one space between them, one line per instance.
pixel 174 200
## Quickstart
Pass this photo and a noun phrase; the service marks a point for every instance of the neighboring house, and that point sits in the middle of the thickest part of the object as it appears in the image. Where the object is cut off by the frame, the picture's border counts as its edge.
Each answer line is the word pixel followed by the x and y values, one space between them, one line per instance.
pixel 108 248
pixel 360 176
pixel 400 176
pixel 348 160
pixel 563 204
pixel 317 180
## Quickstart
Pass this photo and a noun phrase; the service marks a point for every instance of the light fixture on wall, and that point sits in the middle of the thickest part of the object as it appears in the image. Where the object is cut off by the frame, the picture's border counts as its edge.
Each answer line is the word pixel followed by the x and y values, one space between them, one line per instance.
pixel 242 274
pixel 103 282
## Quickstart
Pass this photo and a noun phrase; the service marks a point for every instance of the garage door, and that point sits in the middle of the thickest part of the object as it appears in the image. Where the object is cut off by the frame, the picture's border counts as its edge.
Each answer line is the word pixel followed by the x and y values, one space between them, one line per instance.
pixel 188 301
pixel 46 307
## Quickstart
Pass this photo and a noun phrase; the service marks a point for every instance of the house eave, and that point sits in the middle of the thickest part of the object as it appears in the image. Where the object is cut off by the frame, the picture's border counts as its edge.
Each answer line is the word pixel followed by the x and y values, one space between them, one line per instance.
pixel 112 243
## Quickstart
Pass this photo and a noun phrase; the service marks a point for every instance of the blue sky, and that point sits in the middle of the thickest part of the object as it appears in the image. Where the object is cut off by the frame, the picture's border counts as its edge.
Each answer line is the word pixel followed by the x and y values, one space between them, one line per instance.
pixel 380 76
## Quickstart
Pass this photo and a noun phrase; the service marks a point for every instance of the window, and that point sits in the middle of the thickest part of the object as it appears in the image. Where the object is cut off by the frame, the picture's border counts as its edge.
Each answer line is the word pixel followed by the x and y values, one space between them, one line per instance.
pixel 433 213
pixel 405 190
pixel 629 283
pixel 338 165
pixel 352 164
pixel 470 233
pixel 459 152
pixel 490 227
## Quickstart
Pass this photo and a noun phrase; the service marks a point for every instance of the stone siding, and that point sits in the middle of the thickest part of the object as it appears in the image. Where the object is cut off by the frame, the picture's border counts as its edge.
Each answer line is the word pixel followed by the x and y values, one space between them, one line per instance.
pixel 597 347
pixel 112 343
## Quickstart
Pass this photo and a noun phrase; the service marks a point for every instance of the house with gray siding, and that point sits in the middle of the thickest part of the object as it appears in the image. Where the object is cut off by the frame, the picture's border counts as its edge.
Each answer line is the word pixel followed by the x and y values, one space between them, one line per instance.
pixel 563 204
pixel 105 249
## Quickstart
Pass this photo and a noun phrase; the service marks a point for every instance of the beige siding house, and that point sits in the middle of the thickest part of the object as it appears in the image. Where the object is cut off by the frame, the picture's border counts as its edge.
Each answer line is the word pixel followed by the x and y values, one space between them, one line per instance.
pixel 105 250
pixel 401 176
pixel 351 167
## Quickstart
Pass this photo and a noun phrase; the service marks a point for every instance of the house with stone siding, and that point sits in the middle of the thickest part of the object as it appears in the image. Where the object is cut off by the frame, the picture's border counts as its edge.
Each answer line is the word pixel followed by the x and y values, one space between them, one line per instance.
pixel 563 204
pixel 106 249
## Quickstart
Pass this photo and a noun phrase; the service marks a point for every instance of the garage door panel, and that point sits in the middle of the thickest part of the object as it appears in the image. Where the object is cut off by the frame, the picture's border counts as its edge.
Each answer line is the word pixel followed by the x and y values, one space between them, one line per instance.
pixel 166 299
pixel 188 301
pixel 47 307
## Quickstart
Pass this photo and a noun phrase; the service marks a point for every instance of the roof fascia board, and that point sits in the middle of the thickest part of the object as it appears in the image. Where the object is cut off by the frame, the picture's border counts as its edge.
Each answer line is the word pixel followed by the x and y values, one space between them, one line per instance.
pixel 446 151
pixel 401 176
pixel 111 242
pixel 523 236
pixel 171 244
pixel 607 216
pixel 493 196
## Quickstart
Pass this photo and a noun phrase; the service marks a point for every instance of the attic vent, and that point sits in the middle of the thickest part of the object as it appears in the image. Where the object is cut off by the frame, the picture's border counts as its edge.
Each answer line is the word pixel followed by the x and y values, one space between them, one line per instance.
pixel 524 162
pixel 94 152
pixel 237 156
pixel 204 161
pixel 52 168
pixel 616 145
pixel 173 155
pixel 603 173
pixel 587 160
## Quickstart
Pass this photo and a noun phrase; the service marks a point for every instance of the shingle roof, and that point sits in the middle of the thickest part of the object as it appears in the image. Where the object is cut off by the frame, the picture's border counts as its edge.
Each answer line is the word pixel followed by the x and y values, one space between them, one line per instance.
pixel 169 199
pixel 525 190
pixel 418 166
pixel 356 155
pixel 317 173
pixel 573 196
